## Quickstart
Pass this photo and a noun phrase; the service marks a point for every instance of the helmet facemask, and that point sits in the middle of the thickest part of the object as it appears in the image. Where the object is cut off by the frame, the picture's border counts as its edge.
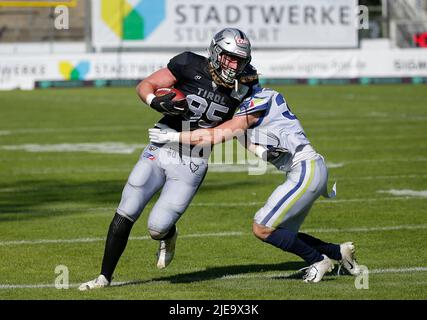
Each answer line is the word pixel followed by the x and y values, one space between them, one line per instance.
pixel 230 66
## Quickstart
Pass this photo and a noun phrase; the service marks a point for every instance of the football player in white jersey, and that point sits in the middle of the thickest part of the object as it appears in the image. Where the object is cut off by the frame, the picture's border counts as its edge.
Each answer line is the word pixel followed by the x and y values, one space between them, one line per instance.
pixel 276 135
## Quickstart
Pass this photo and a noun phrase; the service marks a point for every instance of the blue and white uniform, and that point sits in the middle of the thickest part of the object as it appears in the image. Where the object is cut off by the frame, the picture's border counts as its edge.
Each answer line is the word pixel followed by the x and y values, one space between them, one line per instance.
pixel 307 174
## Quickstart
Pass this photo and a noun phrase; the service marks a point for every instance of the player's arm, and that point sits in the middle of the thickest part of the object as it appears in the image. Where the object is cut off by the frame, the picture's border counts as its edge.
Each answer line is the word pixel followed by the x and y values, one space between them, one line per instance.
pixel 224 132
pixel 162 78
pixel 234 127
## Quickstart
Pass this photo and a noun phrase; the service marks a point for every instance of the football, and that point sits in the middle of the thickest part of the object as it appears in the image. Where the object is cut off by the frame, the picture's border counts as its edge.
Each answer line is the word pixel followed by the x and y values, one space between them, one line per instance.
pixel 162 91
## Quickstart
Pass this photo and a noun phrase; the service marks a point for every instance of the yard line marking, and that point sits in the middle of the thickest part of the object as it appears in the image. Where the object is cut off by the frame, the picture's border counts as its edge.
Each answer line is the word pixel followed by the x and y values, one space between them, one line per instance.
pixel 97 239
pixel 81 210
pixel 214 234
pixel 288 274
pixel 210 204
pixel 419 159
pixel 367 229
pixel 330 201
pixel 364 200
pixel 213 167
pixel 226 277
pixel 401 176
pixel 74 129
pixel 406 192
pixel 101 147
pixel 399 270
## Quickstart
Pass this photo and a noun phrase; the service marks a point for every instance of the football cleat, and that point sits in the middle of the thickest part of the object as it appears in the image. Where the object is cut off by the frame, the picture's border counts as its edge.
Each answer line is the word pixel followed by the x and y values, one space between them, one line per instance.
pixel 97 283
pixel 166 251
pixel 317 270
pixel 348 261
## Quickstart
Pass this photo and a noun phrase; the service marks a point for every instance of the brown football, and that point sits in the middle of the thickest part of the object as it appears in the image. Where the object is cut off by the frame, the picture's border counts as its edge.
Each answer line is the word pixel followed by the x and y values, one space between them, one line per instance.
pixel 162 91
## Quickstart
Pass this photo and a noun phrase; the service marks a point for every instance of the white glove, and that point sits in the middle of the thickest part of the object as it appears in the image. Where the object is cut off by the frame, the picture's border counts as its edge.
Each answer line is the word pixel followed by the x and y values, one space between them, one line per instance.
pixel 260 151
pixel 163 136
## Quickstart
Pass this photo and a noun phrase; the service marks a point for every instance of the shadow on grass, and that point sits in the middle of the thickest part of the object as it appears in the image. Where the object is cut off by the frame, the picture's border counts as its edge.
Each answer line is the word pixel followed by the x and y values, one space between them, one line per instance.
pixel 29 199
pixel 226 272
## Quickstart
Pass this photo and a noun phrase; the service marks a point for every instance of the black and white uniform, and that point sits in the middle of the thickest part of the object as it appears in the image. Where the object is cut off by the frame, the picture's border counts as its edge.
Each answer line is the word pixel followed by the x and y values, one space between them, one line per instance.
pixel 177 169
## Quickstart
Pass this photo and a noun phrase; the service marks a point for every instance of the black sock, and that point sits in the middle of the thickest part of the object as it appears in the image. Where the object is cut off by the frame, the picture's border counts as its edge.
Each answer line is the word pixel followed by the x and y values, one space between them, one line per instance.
pixel 117 238
pixel 332 250
pixel 288 241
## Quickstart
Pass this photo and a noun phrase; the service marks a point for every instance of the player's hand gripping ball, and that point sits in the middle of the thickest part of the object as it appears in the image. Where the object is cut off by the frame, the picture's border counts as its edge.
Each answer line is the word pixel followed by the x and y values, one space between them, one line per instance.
pixel 169 101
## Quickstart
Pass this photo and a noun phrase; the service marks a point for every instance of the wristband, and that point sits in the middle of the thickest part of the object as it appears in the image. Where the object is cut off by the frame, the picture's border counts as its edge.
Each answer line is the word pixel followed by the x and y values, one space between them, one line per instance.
pixel 150 98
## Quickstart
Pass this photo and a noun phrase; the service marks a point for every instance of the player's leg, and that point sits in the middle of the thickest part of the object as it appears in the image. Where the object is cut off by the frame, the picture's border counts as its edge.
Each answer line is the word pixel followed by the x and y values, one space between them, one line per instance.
pixel 180 187
pixel 332 250
pixel 278 222
pixel 344 253
pixel 145 179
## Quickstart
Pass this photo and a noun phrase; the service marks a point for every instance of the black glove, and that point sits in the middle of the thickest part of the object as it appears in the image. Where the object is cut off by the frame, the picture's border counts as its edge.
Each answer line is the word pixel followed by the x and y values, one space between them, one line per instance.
pixel 274 153
pixel 165 105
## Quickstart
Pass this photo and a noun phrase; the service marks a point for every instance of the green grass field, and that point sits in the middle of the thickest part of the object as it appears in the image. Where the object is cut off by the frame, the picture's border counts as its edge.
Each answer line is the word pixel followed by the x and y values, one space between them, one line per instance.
pixel 55 206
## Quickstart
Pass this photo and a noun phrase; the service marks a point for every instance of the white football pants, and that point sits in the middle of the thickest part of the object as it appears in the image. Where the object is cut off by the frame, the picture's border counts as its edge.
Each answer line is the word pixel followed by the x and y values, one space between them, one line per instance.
pixel 290 202
pixel 161 167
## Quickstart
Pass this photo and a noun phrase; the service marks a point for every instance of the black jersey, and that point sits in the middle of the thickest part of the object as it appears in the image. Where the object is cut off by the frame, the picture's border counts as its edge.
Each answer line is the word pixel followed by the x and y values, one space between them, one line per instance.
pixel 209 104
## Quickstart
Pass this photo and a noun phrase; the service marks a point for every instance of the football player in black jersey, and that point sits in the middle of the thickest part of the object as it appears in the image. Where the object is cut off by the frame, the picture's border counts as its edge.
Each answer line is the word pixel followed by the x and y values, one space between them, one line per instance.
pixel 214 89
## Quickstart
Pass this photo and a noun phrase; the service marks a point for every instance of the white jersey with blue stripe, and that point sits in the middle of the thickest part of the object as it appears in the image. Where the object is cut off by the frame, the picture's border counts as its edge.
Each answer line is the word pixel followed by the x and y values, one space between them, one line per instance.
pixel 277 127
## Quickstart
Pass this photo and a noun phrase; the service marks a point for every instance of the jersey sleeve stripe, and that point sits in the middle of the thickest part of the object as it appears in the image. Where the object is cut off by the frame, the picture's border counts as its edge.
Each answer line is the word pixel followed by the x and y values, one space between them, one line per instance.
pixel 253 109
pixel 279 99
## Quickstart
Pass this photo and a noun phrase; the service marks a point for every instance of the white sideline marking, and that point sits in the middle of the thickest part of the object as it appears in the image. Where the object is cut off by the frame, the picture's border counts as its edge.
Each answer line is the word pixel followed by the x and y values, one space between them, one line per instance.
pixel 97 239
pixel 211 204
pixel 329 201
pixel 217 234
pixel 405 192
pixel 400 176
pixel 420 159
pixel 74 129
pixel 367 229
pixel 102 147
pixel 227 277
pixel 287 274
pixel 332 165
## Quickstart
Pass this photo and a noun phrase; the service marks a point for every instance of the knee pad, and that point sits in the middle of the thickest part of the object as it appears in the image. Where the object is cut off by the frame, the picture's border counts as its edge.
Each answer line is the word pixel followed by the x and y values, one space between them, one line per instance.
pixel 161 235
pixel 156 235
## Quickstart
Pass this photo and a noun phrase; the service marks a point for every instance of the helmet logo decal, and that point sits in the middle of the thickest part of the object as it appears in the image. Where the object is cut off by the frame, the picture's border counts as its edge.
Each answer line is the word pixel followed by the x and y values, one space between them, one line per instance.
pixel 241 40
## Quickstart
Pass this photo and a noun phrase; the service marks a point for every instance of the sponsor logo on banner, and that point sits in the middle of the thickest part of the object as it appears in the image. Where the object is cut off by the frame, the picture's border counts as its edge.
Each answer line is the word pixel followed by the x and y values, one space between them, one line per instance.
pixel 192 23
pixel 131 19
pixel 70 71
pixel 21 71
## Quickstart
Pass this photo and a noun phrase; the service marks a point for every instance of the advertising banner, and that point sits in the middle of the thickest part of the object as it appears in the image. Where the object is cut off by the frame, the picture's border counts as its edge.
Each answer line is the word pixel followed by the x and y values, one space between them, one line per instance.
pixel 192 23
pixel 22 71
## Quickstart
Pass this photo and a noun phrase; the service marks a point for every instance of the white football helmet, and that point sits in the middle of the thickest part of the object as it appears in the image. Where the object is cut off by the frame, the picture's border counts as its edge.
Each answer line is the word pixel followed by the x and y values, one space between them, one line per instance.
pixel 229 53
